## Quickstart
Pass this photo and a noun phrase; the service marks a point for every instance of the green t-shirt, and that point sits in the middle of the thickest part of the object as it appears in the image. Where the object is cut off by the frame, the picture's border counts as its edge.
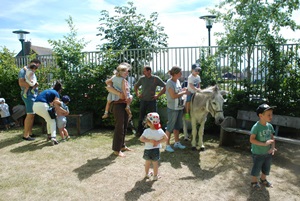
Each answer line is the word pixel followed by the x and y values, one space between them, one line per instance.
pixel 262 133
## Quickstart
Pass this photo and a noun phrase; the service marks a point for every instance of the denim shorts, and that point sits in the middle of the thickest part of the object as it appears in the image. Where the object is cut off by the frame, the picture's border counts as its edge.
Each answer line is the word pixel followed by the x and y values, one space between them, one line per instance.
pixel 189 97
pixel 261 163
pixel 29 103
pixel 151 154
pixel 174 120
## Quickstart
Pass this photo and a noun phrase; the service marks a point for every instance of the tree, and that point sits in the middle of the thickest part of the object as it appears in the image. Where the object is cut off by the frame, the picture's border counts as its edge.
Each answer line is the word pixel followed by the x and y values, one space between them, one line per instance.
pixel 68 52
pixel 10 89
pixel 129 30
pixel 249 23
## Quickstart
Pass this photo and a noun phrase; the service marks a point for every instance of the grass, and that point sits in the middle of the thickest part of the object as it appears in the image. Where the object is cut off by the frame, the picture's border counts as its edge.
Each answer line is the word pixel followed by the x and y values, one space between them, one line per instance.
pixel 84 168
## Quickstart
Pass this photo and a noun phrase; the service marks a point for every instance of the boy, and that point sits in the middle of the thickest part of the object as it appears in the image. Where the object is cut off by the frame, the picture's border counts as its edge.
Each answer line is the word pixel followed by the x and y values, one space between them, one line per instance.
pixel 5 114
pixel 262 146
pixel 61 120
pixel 193 86
pixel 152 137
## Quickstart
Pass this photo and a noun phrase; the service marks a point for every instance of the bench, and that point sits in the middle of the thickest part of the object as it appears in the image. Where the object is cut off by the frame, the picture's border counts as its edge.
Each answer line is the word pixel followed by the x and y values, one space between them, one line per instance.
pixel 77 124
pixel 230 125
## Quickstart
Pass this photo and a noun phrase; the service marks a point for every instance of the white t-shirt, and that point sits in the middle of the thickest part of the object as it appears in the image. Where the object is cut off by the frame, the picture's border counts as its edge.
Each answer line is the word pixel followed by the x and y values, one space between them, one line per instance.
pixel 153 135
pixel 4 110
pixel 195 80
pixel 30 77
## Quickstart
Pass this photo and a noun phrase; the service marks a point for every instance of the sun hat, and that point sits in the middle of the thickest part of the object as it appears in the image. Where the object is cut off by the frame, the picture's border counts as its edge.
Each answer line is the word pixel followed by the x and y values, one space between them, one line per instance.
pixel 264 107
pixel 153 117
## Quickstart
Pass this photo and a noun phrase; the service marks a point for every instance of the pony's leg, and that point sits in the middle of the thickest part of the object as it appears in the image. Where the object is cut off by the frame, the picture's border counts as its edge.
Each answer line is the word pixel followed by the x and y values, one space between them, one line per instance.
pixel 185 130
pixel 200 134
pixel 194 132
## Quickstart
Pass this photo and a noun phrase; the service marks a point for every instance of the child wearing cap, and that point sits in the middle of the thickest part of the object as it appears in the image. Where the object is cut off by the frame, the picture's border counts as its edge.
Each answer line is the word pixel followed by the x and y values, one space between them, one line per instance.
pixel 152 137
pixel 193 86
pixel 61 120
pixel 262 146
pixel 5 114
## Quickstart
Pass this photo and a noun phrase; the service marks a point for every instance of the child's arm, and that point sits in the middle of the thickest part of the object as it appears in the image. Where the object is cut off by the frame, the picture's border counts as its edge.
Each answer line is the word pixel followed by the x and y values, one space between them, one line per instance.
pixel 163 139
pixel 273 149
pixel 256 142
pixel 144 139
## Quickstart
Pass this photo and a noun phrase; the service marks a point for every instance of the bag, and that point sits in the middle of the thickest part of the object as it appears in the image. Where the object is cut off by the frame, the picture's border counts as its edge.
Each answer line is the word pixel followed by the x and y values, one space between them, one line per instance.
pixel 52 113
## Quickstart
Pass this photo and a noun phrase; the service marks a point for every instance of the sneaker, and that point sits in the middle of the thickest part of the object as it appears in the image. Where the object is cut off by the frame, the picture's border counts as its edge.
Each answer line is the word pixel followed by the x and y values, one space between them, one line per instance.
pixel 25 95
pixel 187 116
pixel 68 137
pixel 178 145
pixel 63 140
pixel 54 141
pixel 105 116
pixel 32 91
pixel 155 178
pixel 150 174
pixel 28 139
pixel 169 149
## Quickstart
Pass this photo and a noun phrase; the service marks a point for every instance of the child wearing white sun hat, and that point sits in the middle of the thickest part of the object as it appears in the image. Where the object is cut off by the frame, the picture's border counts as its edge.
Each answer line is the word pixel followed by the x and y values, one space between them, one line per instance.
pixel 152 137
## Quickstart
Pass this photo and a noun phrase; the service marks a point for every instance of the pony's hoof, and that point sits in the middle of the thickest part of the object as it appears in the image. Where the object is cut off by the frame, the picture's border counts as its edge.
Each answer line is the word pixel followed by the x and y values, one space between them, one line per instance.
pixel 194 149
pixel 202 149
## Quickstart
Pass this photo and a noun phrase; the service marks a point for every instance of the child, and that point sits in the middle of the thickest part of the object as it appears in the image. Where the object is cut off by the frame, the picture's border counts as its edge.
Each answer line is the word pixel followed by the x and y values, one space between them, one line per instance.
pixel 262 146
pixel 30 78
pixel 119 82
pixel 62 120
pixel 152 137
pixel 5 114
pixel 193 86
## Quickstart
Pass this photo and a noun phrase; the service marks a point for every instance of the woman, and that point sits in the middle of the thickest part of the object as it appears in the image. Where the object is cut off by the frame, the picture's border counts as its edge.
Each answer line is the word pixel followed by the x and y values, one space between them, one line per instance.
pixel 119 111
pixel 47 98
pixel 175 107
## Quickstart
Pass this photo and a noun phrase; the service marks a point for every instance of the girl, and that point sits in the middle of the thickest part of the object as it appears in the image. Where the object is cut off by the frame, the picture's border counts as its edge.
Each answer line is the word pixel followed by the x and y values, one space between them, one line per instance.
pixel 152 137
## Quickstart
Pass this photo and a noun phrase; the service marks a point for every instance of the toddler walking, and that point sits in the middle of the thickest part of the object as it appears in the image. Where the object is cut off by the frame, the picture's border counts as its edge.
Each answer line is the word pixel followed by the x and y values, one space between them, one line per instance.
pixel 5 114
pixel 152 137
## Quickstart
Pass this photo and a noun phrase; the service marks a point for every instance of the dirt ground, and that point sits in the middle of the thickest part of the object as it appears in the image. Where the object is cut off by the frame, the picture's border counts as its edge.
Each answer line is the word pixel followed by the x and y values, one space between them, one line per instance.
pixel 85 169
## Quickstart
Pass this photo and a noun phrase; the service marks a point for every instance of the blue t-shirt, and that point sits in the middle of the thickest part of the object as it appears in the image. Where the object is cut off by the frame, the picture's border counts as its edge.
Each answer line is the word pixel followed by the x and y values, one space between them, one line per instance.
pixel 47 96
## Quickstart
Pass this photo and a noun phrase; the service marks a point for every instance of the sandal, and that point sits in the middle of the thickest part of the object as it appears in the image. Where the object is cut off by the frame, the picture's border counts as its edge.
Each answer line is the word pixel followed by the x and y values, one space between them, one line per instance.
pixel 119 153
pixel 126 149
pixel 255 185
pixel 265 183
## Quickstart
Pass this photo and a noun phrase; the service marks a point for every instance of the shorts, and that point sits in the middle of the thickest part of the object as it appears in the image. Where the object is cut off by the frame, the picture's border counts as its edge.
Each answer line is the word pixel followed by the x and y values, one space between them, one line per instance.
pixel 174 120
pixel 261 163
pixel 29 103
pixel 189 97
pixel 5 120
pixel 61 122
pixel 151 154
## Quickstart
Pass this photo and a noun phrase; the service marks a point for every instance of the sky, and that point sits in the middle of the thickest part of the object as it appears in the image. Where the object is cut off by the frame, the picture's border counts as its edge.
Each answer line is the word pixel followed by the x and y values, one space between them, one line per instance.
pixel 46 19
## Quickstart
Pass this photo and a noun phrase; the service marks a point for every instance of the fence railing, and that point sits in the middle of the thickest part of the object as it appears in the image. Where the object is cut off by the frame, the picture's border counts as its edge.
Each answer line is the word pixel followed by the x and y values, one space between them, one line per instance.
pixel 239 63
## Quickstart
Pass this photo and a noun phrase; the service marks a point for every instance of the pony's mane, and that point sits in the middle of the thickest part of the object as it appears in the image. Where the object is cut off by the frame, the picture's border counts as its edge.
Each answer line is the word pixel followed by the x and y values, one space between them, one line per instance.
pixel 208 89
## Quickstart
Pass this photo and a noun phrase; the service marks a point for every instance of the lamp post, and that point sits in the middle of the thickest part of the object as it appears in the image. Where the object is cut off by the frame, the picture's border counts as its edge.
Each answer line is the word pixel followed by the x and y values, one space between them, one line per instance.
pixel 209 22
pixel 21 37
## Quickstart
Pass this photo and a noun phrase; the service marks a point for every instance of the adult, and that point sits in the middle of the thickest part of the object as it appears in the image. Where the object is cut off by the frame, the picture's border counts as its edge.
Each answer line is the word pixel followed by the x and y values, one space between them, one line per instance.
pixel 28 100
pixel 148 96
pixel 174 93
pixel 119 112
pixel 47 98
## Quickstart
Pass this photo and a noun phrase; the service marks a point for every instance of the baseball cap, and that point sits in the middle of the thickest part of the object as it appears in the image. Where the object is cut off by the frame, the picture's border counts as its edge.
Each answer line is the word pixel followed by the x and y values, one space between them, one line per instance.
pixel 196 67
pixel 264 107
pixel 153 117
pixel 66 99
